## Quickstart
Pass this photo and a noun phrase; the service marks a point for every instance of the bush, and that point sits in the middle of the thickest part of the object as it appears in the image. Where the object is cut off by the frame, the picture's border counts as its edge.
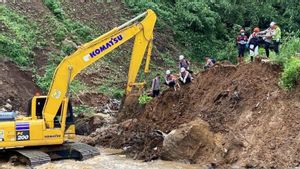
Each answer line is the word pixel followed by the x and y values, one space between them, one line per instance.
pixel 55 7
pixel 288 49
pixel 144 99
pixel 290 75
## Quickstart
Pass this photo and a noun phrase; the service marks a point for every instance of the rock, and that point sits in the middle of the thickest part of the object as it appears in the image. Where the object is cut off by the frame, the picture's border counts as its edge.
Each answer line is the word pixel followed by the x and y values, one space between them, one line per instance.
pixel 190 142
pixel 88 140
pixel 87 125
pixel 3 109
pixel 128 123
pixel 8 106
pixel 96 122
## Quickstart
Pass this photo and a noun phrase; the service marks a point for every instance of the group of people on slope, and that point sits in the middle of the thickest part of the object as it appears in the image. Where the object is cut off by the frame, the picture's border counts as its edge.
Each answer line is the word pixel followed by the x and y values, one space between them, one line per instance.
pixel 184 76
pixel 171 80
pixel 268 37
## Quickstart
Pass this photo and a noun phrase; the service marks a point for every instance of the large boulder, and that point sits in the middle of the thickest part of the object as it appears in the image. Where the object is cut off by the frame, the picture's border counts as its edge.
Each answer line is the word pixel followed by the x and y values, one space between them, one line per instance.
pixel 191 142
pixel 87 125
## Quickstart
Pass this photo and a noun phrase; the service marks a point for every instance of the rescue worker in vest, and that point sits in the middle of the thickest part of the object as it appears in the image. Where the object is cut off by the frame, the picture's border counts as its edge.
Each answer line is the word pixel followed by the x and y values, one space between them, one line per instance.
pixel 241 40
pixel 183 63
pixel 209 62
pixel 171 80
pixel 185 76
pixel 253 43
pixel 155 88
pixel 276 36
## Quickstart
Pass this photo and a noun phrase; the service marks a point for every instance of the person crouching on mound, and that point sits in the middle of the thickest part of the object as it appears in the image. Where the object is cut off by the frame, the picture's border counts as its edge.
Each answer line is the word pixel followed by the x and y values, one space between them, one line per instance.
pixel 171 80
pixel 185 76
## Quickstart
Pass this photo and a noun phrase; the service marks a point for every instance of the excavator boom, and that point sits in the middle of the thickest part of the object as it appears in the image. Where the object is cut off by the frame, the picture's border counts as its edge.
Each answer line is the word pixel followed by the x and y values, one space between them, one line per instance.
pixel 96 49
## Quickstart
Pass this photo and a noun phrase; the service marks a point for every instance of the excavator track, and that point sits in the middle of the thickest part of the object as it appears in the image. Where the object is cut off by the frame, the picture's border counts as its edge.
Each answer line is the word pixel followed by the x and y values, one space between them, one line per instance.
pixel 34 157
pixel 78 151
pixel 86 151
pixel 40 155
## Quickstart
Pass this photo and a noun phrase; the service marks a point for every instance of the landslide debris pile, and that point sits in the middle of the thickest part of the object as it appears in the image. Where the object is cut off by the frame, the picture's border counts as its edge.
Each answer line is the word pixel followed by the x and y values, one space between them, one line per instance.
pixel 16 87
pixel 228 116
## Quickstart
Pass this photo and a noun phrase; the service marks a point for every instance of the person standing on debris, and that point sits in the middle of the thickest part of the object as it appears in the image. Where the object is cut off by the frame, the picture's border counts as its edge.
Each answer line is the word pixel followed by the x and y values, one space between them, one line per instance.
pixel 241 40
pixel 253 43
pixel 155 86
pixel 185 76
pixel 267 37
pixel 276 36
pixel 183 63
pixel 210 62
pixel 170 80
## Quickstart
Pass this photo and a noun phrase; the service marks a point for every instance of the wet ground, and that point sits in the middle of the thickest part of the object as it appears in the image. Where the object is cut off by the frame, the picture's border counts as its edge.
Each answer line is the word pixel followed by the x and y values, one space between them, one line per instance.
pixel 109 159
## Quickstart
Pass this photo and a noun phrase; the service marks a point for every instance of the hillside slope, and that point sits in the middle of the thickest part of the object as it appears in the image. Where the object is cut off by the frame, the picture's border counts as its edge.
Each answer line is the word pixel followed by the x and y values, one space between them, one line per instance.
pixel 254 122
pixel 50 37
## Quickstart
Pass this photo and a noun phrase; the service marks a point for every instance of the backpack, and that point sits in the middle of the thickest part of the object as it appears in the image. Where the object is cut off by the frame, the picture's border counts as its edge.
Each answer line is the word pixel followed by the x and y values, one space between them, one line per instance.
pixel 254 40
pixel 213 60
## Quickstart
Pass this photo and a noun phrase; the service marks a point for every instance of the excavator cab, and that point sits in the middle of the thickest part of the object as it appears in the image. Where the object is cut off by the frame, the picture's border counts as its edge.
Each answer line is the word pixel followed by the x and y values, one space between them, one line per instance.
pixel 36 106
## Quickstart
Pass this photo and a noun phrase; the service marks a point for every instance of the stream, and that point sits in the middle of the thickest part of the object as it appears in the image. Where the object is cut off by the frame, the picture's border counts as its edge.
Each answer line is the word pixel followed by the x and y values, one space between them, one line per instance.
pixel 109 159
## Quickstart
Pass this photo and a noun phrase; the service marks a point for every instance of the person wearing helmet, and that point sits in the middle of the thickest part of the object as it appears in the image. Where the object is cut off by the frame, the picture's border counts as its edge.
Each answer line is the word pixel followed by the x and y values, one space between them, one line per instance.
pixel 276 36
pixel 253 43
pixel 183 63
pixel 185 76
pixel 155 88
pixel 170 80
pixel 241 40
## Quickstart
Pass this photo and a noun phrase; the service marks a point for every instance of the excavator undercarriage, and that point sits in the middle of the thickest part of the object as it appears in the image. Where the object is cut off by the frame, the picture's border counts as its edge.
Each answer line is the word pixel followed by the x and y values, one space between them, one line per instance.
pixel 33 156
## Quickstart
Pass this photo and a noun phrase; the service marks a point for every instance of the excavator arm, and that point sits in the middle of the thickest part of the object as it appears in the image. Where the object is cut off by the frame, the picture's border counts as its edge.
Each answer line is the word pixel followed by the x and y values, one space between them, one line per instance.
pixel 96 49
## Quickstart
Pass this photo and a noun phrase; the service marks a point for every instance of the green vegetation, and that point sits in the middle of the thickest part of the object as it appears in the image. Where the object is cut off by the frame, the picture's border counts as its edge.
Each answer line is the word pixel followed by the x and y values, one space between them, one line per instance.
pixel 83 109
pixel 209 27
pixel 144 98
pixel 55 7
pixel 17 43
pixel 68 34
pixel 291 73
pixel 291 64
pixel 110 90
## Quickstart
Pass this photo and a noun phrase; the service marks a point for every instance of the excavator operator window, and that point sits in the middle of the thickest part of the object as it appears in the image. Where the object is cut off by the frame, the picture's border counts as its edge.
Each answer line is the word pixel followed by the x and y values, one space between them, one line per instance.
pixel 40 103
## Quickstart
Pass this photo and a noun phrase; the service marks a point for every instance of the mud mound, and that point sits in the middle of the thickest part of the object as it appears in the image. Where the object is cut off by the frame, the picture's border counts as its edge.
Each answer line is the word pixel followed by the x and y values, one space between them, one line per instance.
pixel 15 85
pixel 256 122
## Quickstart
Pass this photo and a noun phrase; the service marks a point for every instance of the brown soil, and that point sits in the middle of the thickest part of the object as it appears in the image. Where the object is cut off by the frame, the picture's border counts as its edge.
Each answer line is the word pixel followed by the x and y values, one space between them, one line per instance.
pixel 16 85
pixel 257 122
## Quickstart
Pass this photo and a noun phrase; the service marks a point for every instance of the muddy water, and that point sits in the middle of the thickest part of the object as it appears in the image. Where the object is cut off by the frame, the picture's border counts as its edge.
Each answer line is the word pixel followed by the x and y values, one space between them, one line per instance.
pixel 109 159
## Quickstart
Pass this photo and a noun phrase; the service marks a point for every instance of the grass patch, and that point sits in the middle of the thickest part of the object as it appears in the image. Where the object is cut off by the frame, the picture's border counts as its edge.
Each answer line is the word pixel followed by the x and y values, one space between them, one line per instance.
pixel 83 109
pixel 111 91
pixel 291 74
pixel 18 43
pixel 144 99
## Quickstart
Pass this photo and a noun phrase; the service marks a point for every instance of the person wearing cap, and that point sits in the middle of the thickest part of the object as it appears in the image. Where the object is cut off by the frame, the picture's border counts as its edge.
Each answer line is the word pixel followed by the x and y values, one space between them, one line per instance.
pixel 253 43
pixel 183 63
pixel 185 76
pixel 276 36
pixel 241 40
pixel 155 88
pixel 170 80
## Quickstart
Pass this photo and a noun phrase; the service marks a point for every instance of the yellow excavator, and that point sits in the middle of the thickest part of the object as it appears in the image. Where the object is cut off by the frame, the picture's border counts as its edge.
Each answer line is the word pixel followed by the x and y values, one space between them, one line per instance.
pixel 48 132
